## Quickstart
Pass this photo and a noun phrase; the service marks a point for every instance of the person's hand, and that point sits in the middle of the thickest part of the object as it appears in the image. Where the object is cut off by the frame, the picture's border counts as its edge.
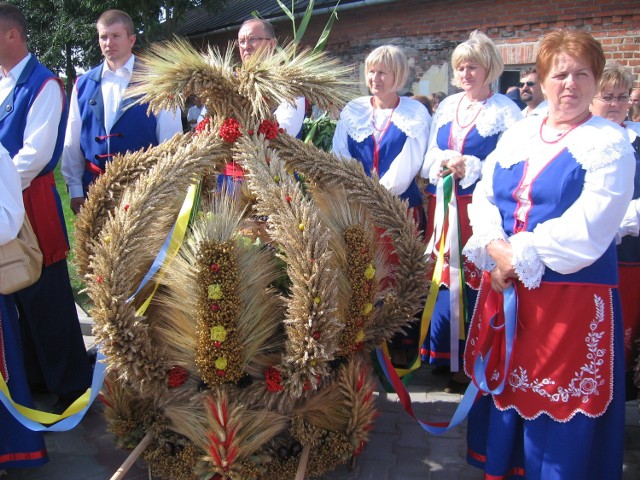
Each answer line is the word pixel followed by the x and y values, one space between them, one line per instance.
pixel 499 281
pixel 454 166
pixel 502 253
pixel 76 203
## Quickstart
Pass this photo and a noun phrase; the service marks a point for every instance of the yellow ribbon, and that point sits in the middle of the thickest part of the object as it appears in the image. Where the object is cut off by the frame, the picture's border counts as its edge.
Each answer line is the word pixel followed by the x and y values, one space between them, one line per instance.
pixel 434 288
pixel 46 417
pixel 177 238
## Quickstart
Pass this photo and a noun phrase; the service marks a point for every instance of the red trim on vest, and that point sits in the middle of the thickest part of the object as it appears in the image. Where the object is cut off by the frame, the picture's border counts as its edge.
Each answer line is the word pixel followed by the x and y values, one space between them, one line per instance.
pixel 41 207
pixel 93 168
pixel 3 361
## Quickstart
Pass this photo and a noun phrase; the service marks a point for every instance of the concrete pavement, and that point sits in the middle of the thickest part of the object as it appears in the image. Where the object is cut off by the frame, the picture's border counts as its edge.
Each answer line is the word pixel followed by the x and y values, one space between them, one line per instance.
pixel 398 449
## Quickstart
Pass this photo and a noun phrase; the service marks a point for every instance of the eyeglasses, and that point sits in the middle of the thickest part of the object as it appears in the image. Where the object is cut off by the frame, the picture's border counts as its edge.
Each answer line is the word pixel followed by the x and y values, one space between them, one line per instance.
pixel 251 40
pixel 610 98
pixel 528 84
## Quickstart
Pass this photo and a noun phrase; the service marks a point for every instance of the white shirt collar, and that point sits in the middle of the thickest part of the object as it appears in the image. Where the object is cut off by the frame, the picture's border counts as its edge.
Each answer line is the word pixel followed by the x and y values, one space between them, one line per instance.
pixel 16 71
pixel 123 71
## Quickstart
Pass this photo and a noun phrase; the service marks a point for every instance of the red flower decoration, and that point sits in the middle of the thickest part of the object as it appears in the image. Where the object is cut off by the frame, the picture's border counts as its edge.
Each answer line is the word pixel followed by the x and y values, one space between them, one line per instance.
pixel 202 125
pixel 269 129
pixel 230 130
pixel 177 377
pixel 273 379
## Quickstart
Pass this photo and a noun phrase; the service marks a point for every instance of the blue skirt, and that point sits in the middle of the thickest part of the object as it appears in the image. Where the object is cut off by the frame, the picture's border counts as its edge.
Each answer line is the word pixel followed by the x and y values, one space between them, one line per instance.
pixel 19 447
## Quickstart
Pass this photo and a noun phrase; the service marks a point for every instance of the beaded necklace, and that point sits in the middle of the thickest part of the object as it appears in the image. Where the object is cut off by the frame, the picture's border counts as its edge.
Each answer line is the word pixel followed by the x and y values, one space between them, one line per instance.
pixel 457 136
pixel 564 134
pixel 474 117
pixel 382 131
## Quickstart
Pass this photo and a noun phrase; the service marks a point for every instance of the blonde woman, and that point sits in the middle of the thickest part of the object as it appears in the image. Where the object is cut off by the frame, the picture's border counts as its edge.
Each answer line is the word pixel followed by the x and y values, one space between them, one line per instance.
pixel 466 128
pixel 387 133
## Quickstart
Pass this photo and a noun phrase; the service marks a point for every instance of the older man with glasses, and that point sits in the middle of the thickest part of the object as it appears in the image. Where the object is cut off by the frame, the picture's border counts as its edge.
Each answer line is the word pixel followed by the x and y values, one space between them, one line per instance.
pixel 257 40
pixel 531 93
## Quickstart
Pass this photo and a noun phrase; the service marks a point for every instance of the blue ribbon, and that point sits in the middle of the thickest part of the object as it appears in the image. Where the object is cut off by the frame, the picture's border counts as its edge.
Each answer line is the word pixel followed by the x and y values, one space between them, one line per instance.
pixel 480 363
pixel 155 266
pixel 72 421
pixel 472 391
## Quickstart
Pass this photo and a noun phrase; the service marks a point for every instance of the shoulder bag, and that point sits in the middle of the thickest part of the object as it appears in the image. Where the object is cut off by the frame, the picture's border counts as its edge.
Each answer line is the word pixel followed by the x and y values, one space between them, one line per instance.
pixel 20 261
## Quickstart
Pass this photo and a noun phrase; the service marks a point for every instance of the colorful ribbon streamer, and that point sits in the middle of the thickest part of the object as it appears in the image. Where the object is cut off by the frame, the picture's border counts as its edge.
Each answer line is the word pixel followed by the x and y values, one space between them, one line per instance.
pixel 171 245
pixel 445 192
pixel 36 420
pixel 479 384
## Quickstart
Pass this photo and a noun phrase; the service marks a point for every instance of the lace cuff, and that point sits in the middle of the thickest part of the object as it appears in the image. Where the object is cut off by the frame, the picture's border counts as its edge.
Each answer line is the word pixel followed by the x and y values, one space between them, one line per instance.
pixel 526 262
pixel 436 166
pixel 472 171
pixel 476 252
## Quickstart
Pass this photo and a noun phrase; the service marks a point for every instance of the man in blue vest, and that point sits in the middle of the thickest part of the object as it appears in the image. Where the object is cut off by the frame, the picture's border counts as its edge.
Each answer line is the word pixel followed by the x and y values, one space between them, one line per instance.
pixel 102 123
pixel 32 123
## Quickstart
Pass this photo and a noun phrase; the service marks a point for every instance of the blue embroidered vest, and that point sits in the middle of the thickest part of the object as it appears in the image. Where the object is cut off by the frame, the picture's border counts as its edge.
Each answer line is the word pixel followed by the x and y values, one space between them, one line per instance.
pixel 15 108
pixel 474 144
pixel 132 129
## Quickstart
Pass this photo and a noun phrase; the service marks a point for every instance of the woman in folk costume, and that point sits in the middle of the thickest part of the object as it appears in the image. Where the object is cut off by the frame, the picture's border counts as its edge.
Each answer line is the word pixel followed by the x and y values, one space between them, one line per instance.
pixel 19 447
pixel 466 128
pixel 544 218
pixel 388 134
pixel 612 102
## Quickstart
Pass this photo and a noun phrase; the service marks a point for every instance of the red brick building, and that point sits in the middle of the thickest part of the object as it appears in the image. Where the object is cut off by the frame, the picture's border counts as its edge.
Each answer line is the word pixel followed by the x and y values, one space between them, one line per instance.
pixel 429 30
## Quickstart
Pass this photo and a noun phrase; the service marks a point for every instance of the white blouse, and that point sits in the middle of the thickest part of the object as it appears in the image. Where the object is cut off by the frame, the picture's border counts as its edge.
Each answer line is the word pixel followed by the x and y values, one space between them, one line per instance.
pixel 582 234
pixel 631 222
pixel 360 120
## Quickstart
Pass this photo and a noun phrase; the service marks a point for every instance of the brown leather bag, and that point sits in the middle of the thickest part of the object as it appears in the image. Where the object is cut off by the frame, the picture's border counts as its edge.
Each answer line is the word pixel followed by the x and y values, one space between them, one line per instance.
pixel 20 261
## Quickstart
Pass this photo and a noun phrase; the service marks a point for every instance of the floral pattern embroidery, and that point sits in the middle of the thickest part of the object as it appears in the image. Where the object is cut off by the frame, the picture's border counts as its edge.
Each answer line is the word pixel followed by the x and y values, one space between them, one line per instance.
pixel 585 382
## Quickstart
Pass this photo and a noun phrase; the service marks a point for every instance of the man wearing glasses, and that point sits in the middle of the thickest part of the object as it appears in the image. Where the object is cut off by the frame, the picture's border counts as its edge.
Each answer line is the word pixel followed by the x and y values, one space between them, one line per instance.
pixel 531 93
pixel 257 38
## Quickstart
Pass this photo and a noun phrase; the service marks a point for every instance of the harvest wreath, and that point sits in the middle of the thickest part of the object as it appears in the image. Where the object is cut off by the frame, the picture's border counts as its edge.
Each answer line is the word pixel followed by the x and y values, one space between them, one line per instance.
pixel 222 373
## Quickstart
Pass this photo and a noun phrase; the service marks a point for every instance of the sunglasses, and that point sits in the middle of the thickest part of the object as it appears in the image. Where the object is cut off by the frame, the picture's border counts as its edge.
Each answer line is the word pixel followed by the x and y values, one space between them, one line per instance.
pixel 528 84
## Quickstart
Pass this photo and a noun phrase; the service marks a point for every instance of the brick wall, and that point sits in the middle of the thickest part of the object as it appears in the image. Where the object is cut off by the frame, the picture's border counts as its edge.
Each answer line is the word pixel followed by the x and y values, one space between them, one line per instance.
pixel 429 30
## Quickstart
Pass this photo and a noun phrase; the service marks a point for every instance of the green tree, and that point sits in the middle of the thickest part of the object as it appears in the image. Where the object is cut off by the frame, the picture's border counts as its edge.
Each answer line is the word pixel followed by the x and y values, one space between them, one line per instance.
pixel 62 33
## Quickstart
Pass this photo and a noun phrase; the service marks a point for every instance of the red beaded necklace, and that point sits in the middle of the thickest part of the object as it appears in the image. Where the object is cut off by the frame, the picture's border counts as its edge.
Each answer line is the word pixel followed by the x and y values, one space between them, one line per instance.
pixel 474 117
pixel 388 122
pixel 376 142
pixel 564 134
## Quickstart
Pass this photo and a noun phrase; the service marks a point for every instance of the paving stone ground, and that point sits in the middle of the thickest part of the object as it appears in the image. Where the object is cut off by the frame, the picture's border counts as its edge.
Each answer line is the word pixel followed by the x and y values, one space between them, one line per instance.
pixel 398 449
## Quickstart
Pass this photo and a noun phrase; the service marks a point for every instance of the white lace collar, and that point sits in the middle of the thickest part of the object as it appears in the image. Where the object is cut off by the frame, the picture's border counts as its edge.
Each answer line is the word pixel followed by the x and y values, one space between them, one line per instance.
pixel 595 144
pixel 498 114
pixel 410 116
